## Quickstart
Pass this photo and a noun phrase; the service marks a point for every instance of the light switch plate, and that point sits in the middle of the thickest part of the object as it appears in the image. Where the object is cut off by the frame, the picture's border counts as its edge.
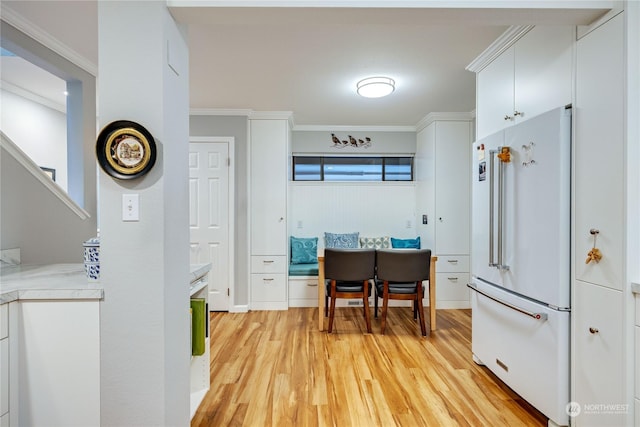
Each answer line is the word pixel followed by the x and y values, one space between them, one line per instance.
pixel 130 207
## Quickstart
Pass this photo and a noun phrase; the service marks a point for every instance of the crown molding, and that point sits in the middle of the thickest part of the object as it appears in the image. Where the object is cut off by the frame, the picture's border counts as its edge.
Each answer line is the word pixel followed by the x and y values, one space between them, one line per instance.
pixel 14 19
pixel 219 112
pixel 23 93
pixel 495 49
pixel 433 117
pixel 346 128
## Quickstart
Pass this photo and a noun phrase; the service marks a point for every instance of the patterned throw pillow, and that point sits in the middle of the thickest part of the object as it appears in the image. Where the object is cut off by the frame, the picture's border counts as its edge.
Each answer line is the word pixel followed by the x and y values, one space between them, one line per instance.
pixel 406 243
pixel 375 242
pixel 304 250
pixel 341 241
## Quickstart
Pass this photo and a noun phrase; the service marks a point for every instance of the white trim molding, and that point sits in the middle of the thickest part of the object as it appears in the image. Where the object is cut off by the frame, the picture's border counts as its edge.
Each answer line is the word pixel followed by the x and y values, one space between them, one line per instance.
pixel 495 49
pixel 432 117
pixel 22 158
pixel 30 29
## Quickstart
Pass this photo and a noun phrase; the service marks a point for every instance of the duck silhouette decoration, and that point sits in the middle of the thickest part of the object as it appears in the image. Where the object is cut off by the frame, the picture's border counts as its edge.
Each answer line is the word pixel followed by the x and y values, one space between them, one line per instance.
pixel 350 142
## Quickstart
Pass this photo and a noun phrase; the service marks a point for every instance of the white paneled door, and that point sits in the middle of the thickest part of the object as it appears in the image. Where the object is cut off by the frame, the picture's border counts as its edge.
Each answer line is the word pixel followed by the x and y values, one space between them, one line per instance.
pixel 209 215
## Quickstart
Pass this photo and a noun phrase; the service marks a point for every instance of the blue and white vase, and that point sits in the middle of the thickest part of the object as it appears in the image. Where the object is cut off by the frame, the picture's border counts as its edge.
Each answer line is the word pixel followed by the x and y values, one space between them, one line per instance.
pixel 92 259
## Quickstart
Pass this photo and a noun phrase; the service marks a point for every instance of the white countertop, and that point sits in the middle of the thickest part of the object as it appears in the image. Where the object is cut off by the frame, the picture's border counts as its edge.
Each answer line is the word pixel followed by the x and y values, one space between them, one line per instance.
pixel 54 282
pixel 58 281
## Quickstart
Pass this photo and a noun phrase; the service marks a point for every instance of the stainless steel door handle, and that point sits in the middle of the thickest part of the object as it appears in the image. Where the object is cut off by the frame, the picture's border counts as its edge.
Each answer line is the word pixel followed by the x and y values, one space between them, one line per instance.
pixel 537 316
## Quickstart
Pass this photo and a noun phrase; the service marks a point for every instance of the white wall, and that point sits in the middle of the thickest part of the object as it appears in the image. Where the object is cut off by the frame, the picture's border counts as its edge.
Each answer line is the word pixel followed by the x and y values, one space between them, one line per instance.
pixel 373 209
pixel 39 131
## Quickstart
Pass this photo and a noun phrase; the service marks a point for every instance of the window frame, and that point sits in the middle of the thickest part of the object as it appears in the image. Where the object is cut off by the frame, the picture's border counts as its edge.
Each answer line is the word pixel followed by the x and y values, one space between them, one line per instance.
pixel 383 174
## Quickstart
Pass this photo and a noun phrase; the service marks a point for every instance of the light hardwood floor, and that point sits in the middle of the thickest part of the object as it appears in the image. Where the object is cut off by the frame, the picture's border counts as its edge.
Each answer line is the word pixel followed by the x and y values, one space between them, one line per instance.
pixel 274 368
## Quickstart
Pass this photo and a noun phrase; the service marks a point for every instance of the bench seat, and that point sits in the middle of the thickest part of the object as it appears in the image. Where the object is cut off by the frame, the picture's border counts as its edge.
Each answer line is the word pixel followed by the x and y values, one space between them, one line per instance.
pixel 303 269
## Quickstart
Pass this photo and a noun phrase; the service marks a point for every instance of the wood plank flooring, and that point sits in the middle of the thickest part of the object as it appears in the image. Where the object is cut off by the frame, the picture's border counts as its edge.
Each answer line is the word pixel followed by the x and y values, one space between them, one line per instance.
pixel 274 368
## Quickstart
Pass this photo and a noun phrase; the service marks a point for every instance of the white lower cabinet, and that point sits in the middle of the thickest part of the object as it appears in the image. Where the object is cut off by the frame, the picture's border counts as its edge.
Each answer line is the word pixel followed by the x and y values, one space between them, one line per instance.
pixel 269 283
pixel 452 277
pixel 303 291
pixel 598 356
pixel 4 362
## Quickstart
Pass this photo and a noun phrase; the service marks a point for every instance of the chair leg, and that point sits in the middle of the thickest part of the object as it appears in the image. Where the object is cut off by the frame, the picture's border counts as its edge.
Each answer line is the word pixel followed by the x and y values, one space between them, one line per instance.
pixel 375 303
pixel 332 311
pixel 423 327
pixel 365 303
pixel 415 308
pixel 385 306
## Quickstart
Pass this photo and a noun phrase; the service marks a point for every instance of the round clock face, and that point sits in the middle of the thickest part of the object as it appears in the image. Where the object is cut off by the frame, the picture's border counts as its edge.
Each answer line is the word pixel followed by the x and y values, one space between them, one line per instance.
pixel 125 150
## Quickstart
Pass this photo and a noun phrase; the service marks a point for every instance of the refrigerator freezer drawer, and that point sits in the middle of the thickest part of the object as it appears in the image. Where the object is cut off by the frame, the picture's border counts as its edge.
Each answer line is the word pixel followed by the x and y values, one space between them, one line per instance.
pixel 526 345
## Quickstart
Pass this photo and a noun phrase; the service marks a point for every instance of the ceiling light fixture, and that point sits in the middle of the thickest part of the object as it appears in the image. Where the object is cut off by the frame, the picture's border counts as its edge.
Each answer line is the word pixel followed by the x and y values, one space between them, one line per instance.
pixel 376 87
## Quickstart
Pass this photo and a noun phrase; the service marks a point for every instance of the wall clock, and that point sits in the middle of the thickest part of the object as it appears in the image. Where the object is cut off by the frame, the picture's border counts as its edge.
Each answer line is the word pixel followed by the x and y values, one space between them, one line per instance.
pixel 125 149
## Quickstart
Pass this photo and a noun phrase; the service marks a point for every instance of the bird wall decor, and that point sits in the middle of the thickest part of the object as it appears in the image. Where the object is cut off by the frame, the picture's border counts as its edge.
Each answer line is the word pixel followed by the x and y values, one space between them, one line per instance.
pixel 350 142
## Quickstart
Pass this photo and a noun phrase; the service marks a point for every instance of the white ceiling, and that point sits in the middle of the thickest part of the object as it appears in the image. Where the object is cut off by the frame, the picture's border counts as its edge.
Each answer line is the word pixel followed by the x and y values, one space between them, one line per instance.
pixel 308 60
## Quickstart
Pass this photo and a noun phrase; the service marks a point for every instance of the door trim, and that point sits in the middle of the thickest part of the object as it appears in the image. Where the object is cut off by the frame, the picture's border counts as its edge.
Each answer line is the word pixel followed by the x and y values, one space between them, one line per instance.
pixel 230 140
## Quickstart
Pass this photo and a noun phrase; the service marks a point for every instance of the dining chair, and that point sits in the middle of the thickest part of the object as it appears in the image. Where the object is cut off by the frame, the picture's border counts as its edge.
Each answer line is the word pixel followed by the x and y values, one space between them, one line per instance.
pixel 347 275
pixel 399 276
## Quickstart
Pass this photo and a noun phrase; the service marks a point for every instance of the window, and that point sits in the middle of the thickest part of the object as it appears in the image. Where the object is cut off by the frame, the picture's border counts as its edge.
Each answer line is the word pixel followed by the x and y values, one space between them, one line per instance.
pixel 331 168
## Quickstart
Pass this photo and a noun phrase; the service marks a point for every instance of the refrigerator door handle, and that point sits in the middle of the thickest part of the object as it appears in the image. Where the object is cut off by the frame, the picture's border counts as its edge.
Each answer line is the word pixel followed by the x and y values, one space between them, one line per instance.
pixel 537 316
pixel 492 154
pixel 503 157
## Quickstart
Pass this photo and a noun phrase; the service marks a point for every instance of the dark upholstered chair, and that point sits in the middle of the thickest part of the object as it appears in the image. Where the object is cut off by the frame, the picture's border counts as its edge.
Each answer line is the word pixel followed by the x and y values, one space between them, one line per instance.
pixel 399 276
pixel 347 273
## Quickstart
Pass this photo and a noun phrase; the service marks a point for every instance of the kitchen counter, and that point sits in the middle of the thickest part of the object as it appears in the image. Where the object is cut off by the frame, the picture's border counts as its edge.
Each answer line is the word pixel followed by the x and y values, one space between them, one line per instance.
pixel 46 282
pixel 59 282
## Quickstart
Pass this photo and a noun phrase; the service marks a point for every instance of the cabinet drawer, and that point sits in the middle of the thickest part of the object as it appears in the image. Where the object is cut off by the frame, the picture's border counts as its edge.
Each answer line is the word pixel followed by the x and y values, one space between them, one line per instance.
pixel 452 263
pixel 268 288
pixel 303 288
pixel 452 286
pixel 268 264
pixel 4 320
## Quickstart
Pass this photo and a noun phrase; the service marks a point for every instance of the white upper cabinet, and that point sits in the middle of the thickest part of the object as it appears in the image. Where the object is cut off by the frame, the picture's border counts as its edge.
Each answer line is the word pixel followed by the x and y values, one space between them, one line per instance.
pixel 269 155
pixel 495 95
pixel 530 77
pixel 599 155
pixel 453 181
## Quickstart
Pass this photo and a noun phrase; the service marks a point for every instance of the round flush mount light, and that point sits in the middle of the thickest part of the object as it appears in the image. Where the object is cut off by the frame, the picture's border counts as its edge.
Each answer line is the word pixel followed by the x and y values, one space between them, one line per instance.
pixel 376 87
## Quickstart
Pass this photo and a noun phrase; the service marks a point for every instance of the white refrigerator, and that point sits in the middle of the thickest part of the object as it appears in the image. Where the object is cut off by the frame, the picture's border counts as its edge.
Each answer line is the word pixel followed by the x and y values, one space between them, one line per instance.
pixel 520 259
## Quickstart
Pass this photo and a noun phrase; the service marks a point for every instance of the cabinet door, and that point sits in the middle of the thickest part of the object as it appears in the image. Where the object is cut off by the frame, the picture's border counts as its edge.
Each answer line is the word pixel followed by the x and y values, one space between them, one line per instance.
pixel 453 150
pixel 495 94
pixel 543 68
pixel 269 146
pixel 598 366
pixel 599 154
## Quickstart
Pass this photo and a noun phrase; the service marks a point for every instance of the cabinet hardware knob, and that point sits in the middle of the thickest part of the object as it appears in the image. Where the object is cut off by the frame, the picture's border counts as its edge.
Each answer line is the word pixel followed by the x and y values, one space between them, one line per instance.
pixel 518 113
pixel 452 261
pixel 594 231
pixel 508 117
pixel 593 330
pixel 453 279
pixel 281 219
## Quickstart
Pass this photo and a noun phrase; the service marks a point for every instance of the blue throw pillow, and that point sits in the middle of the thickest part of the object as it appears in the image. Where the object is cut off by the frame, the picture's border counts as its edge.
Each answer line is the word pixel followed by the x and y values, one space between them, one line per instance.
pixel 406 243
pixel 341 241
pixel 304 250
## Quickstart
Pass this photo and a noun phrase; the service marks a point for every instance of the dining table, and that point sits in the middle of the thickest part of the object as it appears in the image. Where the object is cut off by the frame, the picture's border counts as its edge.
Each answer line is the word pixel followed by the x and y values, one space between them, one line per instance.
pixel 432 293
